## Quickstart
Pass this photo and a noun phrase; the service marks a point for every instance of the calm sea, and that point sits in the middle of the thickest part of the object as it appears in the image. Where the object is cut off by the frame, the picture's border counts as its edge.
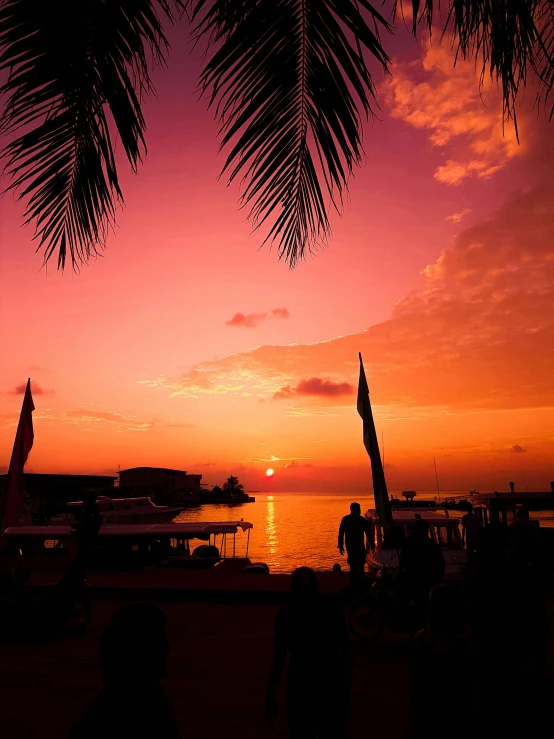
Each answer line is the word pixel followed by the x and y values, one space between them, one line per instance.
pixel 292 529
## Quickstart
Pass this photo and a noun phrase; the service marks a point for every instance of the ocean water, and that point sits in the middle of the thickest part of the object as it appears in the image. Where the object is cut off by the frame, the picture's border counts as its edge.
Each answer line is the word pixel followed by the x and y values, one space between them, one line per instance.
pixel 295 529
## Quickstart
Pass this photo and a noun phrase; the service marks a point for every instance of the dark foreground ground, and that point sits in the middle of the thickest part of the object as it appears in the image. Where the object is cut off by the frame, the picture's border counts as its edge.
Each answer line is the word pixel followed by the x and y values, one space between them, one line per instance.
pixel 217 677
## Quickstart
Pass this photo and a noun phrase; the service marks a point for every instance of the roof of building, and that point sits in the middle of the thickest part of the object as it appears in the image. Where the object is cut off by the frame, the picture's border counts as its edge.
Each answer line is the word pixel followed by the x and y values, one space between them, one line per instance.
pixel 62 475
pixel 161 469
pixel 175 530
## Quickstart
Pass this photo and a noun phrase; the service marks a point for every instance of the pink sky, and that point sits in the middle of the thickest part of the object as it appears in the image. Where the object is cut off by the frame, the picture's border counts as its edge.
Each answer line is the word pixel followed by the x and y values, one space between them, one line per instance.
pixel 185 346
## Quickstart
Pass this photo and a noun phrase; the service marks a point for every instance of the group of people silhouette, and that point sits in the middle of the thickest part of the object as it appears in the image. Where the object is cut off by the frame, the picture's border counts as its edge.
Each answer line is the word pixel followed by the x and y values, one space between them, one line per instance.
pixel 478 652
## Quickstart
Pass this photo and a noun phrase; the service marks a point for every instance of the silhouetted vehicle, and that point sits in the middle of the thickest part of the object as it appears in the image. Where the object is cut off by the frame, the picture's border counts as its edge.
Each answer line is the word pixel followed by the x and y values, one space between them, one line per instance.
pixel 385 607
pixel 36 612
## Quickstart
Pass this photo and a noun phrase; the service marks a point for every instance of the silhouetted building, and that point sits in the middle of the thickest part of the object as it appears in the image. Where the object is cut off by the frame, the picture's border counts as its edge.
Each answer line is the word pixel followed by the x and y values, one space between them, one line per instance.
pixel 165 485
pixel 57 490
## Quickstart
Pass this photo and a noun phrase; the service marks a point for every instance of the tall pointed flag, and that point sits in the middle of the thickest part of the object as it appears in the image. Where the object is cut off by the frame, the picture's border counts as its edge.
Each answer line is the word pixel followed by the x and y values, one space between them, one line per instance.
pixel 12 503
pixel 382 504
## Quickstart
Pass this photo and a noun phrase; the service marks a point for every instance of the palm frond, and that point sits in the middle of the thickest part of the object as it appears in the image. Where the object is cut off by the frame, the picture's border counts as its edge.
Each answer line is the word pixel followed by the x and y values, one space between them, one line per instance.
pixel 76 72
pixel 289 80
pixel 508 38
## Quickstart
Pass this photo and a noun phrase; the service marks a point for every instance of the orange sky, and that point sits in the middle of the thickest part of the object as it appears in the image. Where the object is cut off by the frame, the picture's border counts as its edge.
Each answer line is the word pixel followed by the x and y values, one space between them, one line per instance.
pixel 185 346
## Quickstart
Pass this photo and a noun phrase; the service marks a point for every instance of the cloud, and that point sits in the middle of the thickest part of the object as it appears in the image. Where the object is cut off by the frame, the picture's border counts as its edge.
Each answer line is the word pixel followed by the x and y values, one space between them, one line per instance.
pixel 95 418
pixel 280 313
pixel 251 320
pixel 405 10
pixel 37 368
pixel 461 118
pixel 180 425
pixel 478 335
pixel 517 449
pixel 90 419
pixel 316 386
pixel 311 411
pixel 36 389
pixel 205 464
pixel 457 217
pixel 294 465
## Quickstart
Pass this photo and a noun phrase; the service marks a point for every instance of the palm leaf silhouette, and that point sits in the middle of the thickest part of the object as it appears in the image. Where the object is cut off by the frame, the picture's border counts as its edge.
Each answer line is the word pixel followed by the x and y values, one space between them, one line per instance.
pixel 77 69
pixel 289 80
pixel 508 38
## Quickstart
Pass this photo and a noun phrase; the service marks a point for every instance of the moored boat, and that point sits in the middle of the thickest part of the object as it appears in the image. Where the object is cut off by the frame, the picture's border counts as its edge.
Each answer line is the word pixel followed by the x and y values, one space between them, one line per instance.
pixel 124 547
pixel 442 529
pixel 140 510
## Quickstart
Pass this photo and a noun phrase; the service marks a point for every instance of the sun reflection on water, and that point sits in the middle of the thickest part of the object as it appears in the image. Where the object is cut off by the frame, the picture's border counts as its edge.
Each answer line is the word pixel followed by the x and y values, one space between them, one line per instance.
pixel 271 528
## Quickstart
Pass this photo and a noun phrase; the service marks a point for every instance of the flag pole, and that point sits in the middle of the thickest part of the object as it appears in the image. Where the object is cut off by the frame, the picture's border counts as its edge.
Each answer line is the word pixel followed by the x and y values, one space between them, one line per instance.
pixel 11 505
pixel 380 493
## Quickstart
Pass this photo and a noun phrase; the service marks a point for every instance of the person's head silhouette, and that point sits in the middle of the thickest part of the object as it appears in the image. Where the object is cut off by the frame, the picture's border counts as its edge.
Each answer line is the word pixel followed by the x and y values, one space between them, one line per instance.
pixel 304 585
pixel 135 647
pixel 421 529
pixel 355 509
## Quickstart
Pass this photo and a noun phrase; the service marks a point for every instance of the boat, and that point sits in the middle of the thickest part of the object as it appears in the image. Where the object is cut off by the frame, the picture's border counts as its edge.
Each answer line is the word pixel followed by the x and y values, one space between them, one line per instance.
pixel 456 503
pixel 124 547
pixel 141 510
pixel 208 498
pixel 443 530
pixel 409 502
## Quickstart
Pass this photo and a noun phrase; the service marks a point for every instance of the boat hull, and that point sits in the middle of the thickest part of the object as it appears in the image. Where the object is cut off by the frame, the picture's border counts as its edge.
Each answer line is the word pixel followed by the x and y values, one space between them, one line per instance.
pixel 454 559
pixel 139 517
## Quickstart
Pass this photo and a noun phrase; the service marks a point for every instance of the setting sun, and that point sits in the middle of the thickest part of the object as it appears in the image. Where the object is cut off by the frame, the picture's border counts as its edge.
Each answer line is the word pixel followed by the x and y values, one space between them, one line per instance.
pixel 269 472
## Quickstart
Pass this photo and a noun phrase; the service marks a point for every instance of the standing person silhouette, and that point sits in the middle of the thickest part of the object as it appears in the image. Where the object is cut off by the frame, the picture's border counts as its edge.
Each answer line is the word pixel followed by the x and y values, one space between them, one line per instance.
pixel 357 532
pixel 133 659
pixel 421 567
pixel 471 526
pixel 315 638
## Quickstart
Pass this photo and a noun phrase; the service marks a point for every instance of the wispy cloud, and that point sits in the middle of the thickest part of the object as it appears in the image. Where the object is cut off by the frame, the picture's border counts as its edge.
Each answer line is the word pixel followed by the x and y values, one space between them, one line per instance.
pixel 89 419
pixel 457 217
pixel 295 411
pixel 251 320
pixel 295 465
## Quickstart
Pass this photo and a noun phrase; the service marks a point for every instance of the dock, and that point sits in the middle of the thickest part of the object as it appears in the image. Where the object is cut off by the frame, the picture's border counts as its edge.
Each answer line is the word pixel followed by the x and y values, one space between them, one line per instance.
pixel 198 586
